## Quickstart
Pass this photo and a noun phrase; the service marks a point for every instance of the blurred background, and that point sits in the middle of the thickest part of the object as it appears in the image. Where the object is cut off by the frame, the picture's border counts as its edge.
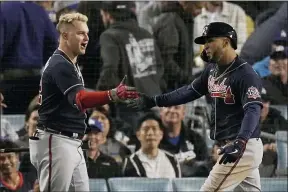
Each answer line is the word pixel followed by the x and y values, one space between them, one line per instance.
pixel 158 55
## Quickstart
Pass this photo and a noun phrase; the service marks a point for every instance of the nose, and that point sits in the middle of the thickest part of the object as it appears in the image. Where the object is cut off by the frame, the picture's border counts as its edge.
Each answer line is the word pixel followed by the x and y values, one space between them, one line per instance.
pixel 86 37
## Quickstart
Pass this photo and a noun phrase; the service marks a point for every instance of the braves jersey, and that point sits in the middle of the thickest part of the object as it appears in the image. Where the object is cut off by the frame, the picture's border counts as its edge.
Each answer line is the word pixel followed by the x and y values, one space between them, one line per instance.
pixel 232 88
pixel 60 76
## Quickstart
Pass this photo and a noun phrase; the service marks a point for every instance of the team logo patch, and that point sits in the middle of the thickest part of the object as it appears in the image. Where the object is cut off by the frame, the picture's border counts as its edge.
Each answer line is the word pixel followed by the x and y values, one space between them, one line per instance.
pixel 220 90
pixel 253 93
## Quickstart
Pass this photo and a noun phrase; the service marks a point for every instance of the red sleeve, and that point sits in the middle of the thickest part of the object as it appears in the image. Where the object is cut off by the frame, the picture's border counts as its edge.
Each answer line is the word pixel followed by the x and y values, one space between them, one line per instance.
pixel 88 99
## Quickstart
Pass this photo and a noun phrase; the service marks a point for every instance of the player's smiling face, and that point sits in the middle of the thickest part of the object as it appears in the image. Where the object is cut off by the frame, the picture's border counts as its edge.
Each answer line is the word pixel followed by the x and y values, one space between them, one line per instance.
pixel 78 37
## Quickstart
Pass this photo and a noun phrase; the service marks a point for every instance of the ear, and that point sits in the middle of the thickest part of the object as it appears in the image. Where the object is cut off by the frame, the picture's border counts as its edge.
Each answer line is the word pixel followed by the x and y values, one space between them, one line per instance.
pixel 65 35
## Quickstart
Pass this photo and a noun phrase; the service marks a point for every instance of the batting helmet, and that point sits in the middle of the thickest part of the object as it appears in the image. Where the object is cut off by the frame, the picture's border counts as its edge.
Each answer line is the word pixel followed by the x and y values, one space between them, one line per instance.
pixel 218 29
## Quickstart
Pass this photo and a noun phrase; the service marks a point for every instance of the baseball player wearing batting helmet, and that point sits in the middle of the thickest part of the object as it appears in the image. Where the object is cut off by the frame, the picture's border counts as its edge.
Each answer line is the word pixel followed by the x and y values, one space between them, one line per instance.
pixel 55 148
pixel 235 88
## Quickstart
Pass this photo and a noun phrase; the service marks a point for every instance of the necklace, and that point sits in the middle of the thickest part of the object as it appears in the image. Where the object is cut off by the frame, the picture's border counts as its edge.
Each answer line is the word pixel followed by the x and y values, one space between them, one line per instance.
pixel 224 72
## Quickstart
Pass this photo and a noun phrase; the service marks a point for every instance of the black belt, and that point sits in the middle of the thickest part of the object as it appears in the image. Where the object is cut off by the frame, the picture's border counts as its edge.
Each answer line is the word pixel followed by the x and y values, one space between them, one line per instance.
pixel 64 133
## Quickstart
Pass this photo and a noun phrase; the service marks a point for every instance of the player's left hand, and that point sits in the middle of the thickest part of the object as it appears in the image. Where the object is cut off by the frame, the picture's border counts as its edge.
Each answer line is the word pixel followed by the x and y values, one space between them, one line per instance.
pixel 232 152
pixel 123 92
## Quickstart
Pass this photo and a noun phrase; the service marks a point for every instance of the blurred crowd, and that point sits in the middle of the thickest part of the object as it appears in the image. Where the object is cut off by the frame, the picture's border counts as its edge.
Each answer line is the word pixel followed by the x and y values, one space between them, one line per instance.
pixel 152 43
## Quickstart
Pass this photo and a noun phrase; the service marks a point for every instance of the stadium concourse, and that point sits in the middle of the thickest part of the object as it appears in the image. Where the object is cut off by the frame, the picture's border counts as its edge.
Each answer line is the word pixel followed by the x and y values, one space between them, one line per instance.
pixel 152 43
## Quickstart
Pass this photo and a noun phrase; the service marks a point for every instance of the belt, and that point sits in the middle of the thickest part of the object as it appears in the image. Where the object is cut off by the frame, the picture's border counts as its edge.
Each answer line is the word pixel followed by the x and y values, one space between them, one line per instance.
pixel 64 133
pixel 11 74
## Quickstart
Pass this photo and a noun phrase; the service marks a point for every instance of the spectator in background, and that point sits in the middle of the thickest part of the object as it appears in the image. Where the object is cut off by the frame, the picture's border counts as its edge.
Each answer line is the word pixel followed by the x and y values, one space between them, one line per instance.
pixel 173 31
pixel 128 49
pixel 27 39
pixel 61 7
pixel 31 120
pixel 258 45
pixel 110 145
pixel 262 67
pixel 188 146
pixel 98 164
pixel 10 178
pixel 276 84
pixel 48 6
pixel 91 62
pixel 150 161
pixel 221 11
pixel 7 131
pixel 270 122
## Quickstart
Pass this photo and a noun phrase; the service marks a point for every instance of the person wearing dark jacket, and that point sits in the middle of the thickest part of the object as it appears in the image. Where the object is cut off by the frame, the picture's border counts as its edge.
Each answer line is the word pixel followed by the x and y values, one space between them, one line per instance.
pixel 27 40
pixel 91 62
pixel 276 84
pixel 127 49
pixel 188 145
pixel 173 31
pixel 271 121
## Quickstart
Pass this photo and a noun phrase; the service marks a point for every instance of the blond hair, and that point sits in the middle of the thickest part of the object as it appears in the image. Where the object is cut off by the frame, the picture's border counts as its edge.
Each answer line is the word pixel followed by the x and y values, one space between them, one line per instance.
pixel 68 18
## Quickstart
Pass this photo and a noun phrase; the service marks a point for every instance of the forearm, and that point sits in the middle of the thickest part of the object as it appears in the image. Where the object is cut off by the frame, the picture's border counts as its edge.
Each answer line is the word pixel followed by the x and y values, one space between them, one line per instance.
pixel 89 99
pixel 179 96
pixel 250 121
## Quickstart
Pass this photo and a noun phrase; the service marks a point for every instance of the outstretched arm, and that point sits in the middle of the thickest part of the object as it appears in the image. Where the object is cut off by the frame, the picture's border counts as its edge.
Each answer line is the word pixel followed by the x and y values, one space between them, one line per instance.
pixel 185 94
pixel 179 96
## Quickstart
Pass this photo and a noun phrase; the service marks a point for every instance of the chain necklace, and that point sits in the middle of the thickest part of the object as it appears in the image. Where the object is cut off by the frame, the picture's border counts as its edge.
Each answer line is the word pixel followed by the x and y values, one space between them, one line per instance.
pixel 224 72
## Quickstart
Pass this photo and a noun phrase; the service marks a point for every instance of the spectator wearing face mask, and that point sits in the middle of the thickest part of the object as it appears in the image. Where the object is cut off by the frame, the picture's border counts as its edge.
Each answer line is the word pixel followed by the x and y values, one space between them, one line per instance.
pixel 276 84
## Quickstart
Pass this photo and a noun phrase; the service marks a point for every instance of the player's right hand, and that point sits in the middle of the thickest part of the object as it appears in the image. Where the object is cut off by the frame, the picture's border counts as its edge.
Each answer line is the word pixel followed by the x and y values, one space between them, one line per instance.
pixel 143 102
pixel 123 92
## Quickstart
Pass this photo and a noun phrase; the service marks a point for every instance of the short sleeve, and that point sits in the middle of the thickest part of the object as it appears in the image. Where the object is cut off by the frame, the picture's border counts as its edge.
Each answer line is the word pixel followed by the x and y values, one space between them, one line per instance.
pixel 67 77
pixel 250 89
pixel 200 84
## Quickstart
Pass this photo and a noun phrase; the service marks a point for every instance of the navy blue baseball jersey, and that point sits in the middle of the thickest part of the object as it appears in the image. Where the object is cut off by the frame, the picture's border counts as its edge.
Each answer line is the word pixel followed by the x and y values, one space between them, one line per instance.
pixel 60 77
pixel 231 88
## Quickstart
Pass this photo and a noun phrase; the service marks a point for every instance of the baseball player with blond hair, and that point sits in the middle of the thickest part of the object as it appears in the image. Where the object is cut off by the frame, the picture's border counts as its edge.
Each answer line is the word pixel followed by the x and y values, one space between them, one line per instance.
pixel 55 148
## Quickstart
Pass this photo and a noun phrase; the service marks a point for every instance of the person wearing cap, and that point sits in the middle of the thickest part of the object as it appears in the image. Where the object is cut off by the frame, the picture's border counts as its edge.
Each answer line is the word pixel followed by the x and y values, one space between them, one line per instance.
pixel 113 144
pixel 99 165
pixel 235 88
pixel 262 67
pixel 276 84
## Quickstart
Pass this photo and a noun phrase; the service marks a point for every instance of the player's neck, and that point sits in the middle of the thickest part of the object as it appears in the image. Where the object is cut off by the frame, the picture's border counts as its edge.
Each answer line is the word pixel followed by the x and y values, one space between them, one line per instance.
pixel 68 53
pixel 12 179
pixel 227 59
